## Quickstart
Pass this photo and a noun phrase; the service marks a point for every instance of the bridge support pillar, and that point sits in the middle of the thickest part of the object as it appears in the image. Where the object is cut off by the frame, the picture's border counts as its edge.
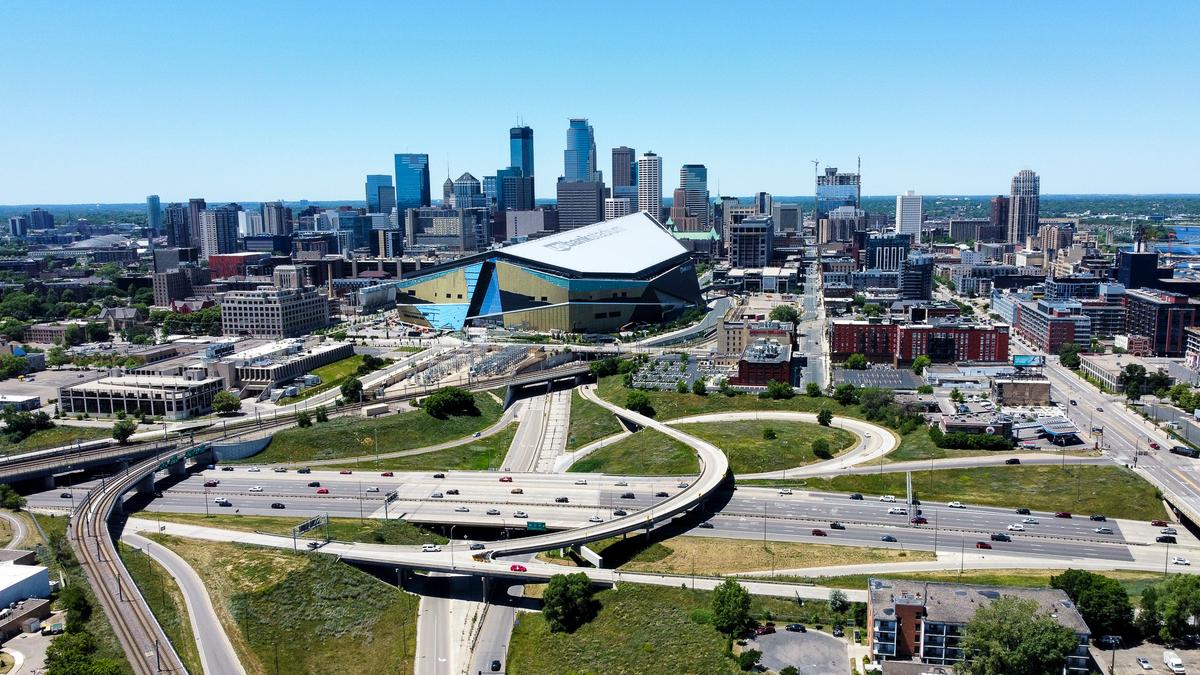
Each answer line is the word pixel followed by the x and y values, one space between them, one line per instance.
pixel 508 397
pixel 178 468
pixel 145 486
pixel 47 482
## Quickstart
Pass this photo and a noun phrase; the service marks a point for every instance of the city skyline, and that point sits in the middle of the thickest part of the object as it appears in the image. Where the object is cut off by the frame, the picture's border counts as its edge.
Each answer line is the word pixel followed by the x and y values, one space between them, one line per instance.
pixel 1070 122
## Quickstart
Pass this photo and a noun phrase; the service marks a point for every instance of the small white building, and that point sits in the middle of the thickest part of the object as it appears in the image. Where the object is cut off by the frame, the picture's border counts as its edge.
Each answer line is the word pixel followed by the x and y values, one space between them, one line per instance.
pixel 19 582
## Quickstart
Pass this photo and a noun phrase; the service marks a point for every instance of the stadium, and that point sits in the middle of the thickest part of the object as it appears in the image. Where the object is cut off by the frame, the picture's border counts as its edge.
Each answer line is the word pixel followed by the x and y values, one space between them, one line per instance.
pixel 592 279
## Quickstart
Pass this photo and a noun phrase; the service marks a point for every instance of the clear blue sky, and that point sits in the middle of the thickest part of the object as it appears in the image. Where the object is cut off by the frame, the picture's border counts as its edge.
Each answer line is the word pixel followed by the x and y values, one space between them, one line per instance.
pixel 109 102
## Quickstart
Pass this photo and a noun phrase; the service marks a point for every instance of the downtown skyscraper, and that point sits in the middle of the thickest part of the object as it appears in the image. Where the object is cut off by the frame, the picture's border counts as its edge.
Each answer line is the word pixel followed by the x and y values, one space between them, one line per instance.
pixel 909 216
pixel 579 159
pixel 1024 202
pixel 693 180
pixel 520 149
pixel 649 171
pixel 381 196
pixel 412 181
pixel 154 215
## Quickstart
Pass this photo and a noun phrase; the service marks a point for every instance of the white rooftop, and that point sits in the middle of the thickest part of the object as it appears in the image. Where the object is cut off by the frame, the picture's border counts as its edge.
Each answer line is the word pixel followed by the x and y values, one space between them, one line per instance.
pixel 624 245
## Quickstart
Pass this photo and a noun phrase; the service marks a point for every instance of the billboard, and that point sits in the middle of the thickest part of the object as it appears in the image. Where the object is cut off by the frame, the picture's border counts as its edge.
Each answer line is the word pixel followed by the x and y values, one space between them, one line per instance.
pixel 1028 360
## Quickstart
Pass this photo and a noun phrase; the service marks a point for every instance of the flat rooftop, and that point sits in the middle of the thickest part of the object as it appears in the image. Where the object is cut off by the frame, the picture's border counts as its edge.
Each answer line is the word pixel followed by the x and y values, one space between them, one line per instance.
pixel 957 603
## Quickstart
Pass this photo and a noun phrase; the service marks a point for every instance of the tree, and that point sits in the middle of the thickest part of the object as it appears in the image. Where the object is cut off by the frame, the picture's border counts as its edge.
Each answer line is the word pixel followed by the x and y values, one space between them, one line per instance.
pixel 956 395
pixel 824 417
pixel 845 393
pixel 123 429
pixel 450 401
pixel 10 498
pixel 681 387
pixel 1133 380
pixel 699 388
pixel 876 403
pixel 856 361
pixel 920 363
pixel 820 449
pixel 322 415
pixel 785 313
pixel 748 659
pixel 1068 354
pixel 225 402
pixel 925 389
pixel 872 309
pixel 1157 380
pixel 352 390
pixel 730 607
pixel 1149 620
pixel 1103 602
pixel 1010 637
pixel 789 670
pixel 568 602
pixel 779 390
pixel 813 390
pixel 838 601
pixel 79 608
pixel 639 402
pixel 1178 604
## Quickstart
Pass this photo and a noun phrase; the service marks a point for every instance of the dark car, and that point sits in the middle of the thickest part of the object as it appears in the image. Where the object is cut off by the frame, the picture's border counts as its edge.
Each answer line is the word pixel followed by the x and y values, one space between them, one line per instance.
pixel 706 525
pixel 835 525
pixel 796 628
pixel 764 630
pixel 627 495
pixel 1000 536
pixel 919 520
pixel 1158 523
pixel 1063 514
pixel 211 483
pixel 1098 518
pixel 1165 539
pixel 277 505
pixel 623 512
pixel 1073 402
pixel 387 474
pixel 561 500
pixel 1012 460
pixel 819 533
pixel 304 470
pixel 452 491
pixel 661 494
pixel 314 544
pixel 856 496
pixel 1023 511
pixel 345 472
pixel 315 483
pixel 887 537
pixel 495 665
pixel 227 468
pixel 477 546
pixel 838 632
pixel 442 475
pixel 982 544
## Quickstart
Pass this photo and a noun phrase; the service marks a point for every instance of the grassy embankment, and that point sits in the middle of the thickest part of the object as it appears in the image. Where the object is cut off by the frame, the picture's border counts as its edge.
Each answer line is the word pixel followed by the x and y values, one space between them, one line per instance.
pixel 749 452
pixel 395 532
pixel 1133 581
pixel 53 438
pixel 589 422
pixel 480 454
pixel 645 453
pixel 332 376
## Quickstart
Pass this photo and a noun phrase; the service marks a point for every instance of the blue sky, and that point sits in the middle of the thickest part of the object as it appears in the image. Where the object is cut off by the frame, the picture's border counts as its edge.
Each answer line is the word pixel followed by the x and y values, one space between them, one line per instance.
pixel 294 100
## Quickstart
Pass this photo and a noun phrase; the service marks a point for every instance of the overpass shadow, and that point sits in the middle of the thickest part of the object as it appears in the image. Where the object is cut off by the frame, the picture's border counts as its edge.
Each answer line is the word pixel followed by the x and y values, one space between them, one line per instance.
pixel 493 590
pixel 515 394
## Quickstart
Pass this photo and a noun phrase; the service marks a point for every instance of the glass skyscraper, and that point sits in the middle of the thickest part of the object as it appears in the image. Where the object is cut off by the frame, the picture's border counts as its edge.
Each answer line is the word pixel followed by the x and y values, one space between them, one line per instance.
pixel 579 159
pixel 837 189
pixel 693 178
pixel 374 182
pixel 412 181
pixel 520 149
pixel 154 215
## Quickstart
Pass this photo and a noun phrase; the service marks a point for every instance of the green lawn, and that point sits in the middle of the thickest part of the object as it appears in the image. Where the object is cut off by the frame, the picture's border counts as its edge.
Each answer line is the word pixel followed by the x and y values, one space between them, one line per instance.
pixel 479 455
pixel 1113 491
pixel 353 436
pixel 394 532
pixel 749 452
pixel 670 405
pixel 290 612
pixel 589 422
pixel 54 437
pixel 332 375
pixel 1133 581
pixel 161 592
pixel 645 453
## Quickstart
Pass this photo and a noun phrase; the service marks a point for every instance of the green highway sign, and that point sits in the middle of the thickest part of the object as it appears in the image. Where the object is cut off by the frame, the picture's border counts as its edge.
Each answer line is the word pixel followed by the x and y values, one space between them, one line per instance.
pixel 536 525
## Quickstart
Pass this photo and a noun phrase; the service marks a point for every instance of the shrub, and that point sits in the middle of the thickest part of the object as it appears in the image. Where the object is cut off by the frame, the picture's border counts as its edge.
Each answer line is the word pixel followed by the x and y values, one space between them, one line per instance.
pixel 769 434
pixel 450 401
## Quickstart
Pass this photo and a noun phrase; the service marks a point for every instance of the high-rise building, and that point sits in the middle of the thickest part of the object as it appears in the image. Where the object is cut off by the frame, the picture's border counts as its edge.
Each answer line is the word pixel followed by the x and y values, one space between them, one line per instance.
pixel 1023 206
pixel 154 215
pixel 681 218
pixel 693 179
pixel 580 203
pixel 468 192
pixel 520 150
pixel 916 276
pixel 18 226
pixel 276 218
pixel 649 182
pixel 41 219
pixel 195 206
pixel 514 191
pixel 841 223
pixel 788 217
pixel 579 159
pixel 374 183
pixel 219 230
pixel 762 200
pixel 887 252
pixel 1161 316
pixel 615 207
pixel 448 193
pixel 175 220
pixel 909 215
pixel 412 180
pixel 624 167
pixel 751 242
pixel 837 189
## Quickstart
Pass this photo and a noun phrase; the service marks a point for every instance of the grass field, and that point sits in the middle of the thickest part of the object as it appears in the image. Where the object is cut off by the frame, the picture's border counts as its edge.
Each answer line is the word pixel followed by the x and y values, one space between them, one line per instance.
pixel 299 613
pixel 670 405
pixel 479 455
pixel 161 592
pixel 332 375
pixel 645 453
pixel 749 452
pixel 1113 491
pixel 54 437
pixel 370 531
pixel 589 422
pixel 353 436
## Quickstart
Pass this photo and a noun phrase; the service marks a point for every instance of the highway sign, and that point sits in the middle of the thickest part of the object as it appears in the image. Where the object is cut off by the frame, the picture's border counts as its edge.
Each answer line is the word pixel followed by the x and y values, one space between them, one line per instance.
pixel 536 525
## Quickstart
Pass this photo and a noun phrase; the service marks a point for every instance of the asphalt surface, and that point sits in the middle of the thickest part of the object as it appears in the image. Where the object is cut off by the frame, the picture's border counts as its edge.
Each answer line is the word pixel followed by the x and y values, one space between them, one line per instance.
pixel 20 531
pixel 811 652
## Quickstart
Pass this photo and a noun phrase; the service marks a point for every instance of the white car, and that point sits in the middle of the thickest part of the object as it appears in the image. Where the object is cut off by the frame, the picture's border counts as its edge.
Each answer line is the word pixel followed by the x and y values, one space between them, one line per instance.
pixel 1167 530
pixel 595 519
pixel 621 483
pixel 372 489
pixel 254 469
pixel 581 482
pixel 785 491
pixel 956 505
pixel 887 498
pixel 1177 560
pixel 520 514
pixel 1016 527
pixel 256 488
pixel 461 509
pixel 867 434
pixel 1030 521
pixel 898 511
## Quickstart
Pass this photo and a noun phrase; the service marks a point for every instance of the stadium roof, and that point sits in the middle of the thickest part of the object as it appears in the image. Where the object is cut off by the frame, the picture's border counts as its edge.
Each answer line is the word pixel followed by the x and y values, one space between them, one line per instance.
pixel 624 245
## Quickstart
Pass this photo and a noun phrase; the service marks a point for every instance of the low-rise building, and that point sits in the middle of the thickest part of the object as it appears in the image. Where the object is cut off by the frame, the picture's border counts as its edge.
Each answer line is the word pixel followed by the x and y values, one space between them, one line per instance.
pixel 1049 324
pixel 1025 390
pixel 1162 316
pixel 271 312
pixel 734 336
pixel 1107 368
pixel 173 398
pixel 762 362
pixel 20 402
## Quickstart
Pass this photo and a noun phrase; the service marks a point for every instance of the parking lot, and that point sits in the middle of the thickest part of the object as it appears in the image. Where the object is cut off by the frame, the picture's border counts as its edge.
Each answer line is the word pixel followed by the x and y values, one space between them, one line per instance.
pixel 45 384
pixel 1126 659
pixel 812 652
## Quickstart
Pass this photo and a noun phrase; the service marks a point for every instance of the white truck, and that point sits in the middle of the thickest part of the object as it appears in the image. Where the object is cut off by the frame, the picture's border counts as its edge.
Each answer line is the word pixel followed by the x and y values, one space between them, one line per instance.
pixel 1173 663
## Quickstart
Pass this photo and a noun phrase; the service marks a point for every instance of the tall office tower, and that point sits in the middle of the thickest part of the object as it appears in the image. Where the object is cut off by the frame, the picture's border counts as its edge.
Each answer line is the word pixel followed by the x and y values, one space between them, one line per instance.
pixel 154 215
pixel 909 215
pixel 219 230
pixel 468 192
pixel 787 217
pixel 579 159
pixel 18 226
pixel 763 201
pixel 681 218
pixel 374 183
pixel 624 167
pixel 412 180
pixel 1023 205
pixel 249 223
pixel 387 198
pixel 751 242
pixel 649 171
pixel 580 203
pixel 615 207
pixel 693 179
pixel 195 206
pixel 41 219
pixel 520 149
pixel 514 191
pixel 175 220
pixel 837 189
pixel 916 276
pixel 447 193
pixel 887 252
pixel 276 218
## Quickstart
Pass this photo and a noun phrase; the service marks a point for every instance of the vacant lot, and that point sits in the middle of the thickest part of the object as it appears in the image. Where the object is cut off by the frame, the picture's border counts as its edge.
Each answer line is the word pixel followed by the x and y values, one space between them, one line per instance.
pixel 1110 490
pixel 749 452
pixel 645 453
pixel 53 438
pixel 670 405
pixel 332 375
pixel 589 422
pixel 370 531
pixel 161 592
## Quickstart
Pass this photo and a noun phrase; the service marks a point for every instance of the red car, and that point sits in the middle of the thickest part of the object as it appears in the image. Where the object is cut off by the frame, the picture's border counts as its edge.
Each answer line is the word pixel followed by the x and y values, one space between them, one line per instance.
pixel 387 474
pixel 982 544
pixel 1158 523
pixel 211 483
pixel 345 472
pixel 765 630
pixel 517 568
pixel 1154 445
pixel 505 479
pixel 818 533
pixel 1063 514
pixel 322 491
pixel 919 520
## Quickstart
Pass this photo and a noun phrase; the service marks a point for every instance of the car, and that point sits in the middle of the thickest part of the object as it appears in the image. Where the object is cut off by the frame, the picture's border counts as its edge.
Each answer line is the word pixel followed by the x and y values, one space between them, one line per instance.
pixel 887 537
pixel 322 491
pixel 1030 521
pixel 495 665
pixel 227 468
pixel 1013 460
pixel 898 511
pixel 452 491
pixel 345 472
pixel 764 630
pixel 279 469
pixel 627 495
pixel 796 628
pixel 561 500
pixel 956 505
pixel 1098 518
pixel 313 545
pixel 315 483
pixel 1062 514
pixel 706 525
pixel 835 525
pixel 1158 523
pixel 517 491
pixel 620 512
pixel 1099 409
pixel 838 632
pixel 982 544
pixel 856 496
pixel 221 501
pixel 1165 539
pixel 372 489
pixel 785 491
pixel 477 546
pixel 1178 560
pixel 256 488
pixel 462 509
pixel 1103 530
pixel 254 469
pixel 304 470
pixel 436 495
pixel 1144 663
pixel 504 479
pixel 493 512
pixel 886 498
pixel 919 520
pixel 1074 402
pixel 430 548
pixel 1000 536
pixel 660 493
pixel 442 475
pixel 595 519
pixel 475 435
pixel 1154 445
pixel 278 505
pixel 818 533
pixel 520 514
pixel 683 485
pixel 1023 511
pixel 1016 527
pixel 387 474
pixel 581 482
pixel 1168 530
pixel 621 483
pixel 867 434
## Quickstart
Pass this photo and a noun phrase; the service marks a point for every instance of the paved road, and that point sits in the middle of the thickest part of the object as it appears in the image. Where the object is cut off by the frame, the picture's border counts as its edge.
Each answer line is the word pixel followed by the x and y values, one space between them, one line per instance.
pixel 216 652
pixel 20 530
pixel 709 322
